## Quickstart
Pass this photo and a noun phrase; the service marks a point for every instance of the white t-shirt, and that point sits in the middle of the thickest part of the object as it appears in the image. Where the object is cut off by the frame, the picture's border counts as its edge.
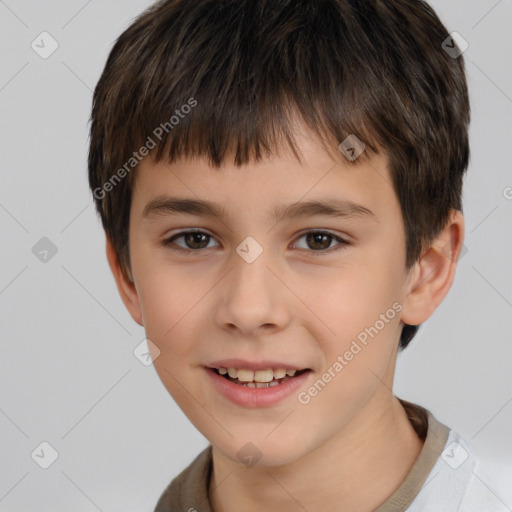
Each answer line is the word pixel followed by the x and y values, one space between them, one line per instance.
pixel 456 483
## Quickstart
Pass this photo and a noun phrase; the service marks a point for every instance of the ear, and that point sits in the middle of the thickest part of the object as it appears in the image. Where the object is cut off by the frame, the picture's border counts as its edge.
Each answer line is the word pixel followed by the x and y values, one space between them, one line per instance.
pixel 125 284
pixel 432 275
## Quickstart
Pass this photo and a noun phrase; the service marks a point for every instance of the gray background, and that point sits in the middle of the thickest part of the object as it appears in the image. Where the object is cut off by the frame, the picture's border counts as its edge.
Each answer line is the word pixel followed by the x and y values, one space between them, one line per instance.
pixel 68 373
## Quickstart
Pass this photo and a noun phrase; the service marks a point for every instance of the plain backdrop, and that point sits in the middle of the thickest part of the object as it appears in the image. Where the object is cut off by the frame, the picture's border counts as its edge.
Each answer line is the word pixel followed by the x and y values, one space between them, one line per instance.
pixel 69 376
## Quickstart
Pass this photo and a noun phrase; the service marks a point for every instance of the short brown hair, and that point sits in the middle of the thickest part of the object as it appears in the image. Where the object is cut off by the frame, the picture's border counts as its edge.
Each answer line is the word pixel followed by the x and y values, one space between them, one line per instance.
pixel 371 68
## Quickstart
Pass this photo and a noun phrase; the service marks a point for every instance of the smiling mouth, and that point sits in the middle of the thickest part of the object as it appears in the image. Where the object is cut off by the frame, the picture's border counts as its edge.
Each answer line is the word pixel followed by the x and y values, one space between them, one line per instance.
pixel 259 378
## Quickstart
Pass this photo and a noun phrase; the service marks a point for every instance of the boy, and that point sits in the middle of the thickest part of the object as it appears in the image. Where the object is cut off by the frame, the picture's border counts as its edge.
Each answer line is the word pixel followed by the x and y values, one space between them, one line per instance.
pixel 280 186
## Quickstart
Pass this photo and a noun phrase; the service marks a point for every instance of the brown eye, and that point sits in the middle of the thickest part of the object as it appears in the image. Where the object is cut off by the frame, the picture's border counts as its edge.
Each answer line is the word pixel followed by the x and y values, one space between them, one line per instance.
pixel 319 242
pixel 192 241
pixel 196 240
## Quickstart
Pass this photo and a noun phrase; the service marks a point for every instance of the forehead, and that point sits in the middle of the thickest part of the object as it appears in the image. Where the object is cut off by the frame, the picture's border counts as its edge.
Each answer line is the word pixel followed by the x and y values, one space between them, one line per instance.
pixel 315 181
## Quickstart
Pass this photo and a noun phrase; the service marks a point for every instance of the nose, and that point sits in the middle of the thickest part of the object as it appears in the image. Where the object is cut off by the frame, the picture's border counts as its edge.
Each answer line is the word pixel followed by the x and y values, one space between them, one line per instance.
pixel 252 300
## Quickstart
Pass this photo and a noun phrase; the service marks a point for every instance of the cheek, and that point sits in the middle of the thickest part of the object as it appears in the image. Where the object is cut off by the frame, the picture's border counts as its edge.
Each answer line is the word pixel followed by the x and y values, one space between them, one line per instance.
pixel 362 312
pixel 364 316
pixel 167 292
pixel 167 301
pixel 352 299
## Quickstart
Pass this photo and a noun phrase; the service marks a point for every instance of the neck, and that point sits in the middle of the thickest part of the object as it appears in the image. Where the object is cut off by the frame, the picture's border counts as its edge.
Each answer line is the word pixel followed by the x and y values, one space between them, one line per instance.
pixel 335 476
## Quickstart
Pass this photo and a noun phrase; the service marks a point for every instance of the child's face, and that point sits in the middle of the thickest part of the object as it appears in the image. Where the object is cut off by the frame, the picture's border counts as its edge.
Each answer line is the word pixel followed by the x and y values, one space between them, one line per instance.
pixel 301 303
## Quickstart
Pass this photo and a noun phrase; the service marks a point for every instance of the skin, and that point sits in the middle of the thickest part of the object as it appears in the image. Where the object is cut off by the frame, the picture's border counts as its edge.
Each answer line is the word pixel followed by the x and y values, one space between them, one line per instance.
pixel 351 446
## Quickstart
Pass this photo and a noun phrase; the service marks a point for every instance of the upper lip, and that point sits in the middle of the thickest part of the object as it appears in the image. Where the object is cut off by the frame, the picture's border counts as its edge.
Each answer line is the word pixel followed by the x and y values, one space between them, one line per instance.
pixel 253 365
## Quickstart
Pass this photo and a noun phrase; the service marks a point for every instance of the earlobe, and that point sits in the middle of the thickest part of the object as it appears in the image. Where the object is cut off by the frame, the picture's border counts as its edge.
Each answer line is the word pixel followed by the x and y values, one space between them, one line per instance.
pixel 433 274
pixel 125 285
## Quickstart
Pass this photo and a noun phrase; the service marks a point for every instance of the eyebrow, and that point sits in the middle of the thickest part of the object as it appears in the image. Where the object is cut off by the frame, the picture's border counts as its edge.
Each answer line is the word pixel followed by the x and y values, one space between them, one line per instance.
pixel 166 205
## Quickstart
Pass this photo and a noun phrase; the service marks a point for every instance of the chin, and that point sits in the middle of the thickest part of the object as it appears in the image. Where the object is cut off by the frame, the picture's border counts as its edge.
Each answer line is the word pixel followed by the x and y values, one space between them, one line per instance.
pixel 254 451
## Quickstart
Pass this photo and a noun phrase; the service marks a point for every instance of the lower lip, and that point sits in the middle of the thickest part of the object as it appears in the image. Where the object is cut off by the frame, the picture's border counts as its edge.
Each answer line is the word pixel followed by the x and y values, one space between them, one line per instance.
pixel 256 397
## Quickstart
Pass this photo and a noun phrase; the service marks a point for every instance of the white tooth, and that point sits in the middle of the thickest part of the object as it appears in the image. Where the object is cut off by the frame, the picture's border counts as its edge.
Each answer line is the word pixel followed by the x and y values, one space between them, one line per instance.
pixel 262 384
pixel 245 375
pixel 291 373
pixel 279 373
pixel 263 375
pixel 223 371
pixel 251 385
pixel 273 383
pixel 232 373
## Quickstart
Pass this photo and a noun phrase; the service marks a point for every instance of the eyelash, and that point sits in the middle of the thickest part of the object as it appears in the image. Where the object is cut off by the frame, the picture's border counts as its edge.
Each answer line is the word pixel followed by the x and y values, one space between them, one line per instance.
pixel 169 242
